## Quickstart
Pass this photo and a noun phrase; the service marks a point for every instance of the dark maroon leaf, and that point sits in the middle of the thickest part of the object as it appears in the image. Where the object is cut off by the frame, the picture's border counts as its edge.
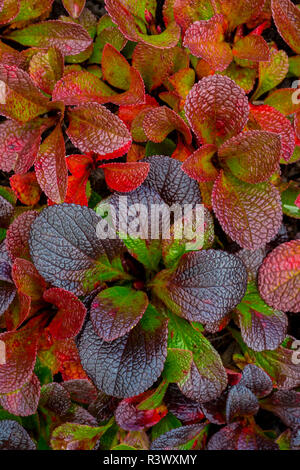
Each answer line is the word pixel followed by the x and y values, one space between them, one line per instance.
pixel 256 380
pixel 66 251
pixel 185 409
pixel 81 390
pixel 129 365
pixel 23 402
pixel 116 310
pixel 103 407
pixel 206 377
pixel 6 211
pixel 14 437
pixel 236 437
pixel 215 410
pixel 55 398
pixel 79 415
pixel 262 327
pixel 286 405
pixel 240 402
pixel 252 259
pixel 7 288
pixel 170 182
pixel 172 440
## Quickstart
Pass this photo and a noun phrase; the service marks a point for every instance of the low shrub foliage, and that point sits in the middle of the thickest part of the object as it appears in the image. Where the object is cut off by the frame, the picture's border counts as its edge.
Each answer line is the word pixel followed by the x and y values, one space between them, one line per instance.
pixel 148 342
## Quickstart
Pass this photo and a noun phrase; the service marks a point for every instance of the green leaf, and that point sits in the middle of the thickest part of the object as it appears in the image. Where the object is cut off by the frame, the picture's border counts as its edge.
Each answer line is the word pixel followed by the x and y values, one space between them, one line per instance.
pixel 166 424
pixel 68 37
pixel 73 436
pixel 177 365
pixel 271 73
pixel 166 147
pixel 123 447
pixel 146 252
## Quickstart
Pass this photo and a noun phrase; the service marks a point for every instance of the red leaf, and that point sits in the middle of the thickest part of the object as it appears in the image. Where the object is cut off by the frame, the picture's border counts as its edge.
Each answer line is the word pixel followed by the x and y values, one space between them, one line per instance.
pixel 94 128
pixel 81 390
pixel 128 113
pixel 155 65
pixel 269 119
pixel 130 418
pixel 125 177
pixel 14 437
pixel 118 73
pixel 119 11
pixel 70 316
pixel 80 166
pixel 20 356
pixel 182 151
pixel 135 153
pixel 235 436
pixel 17 236
pixel 26 188
pixel 81 87
pixel 9 11
pixel 199 165
pixel 240 11
pixel 252 156
pixel 23 402
pixel 158 123
pixel 17 312
pixel 252 47
pixel 297 124
pixel 23 101
pixel 76 191
pixel 19 144
pixel 286 16
pixel 205 39
pixel 279 280
pixel 250 214
pixel 68 37
pixel 216 109
pixel 51 168
pixel 74 7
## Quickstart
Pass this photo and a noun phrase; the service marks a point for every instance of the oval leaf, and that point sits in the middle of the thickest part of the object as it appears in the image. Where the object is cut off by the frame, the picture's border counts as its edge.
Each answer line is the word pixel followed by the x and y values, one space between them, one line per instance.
pixel 110 364
pixel 93 128
pixel 216 109
pixel 116 310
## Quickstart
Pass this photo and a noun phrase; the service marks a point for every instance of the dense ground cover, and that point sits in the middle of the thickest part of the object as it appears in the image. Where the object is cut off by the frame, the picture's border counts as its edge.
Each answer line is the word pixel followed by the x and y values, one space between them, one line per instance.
pixel 149 342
